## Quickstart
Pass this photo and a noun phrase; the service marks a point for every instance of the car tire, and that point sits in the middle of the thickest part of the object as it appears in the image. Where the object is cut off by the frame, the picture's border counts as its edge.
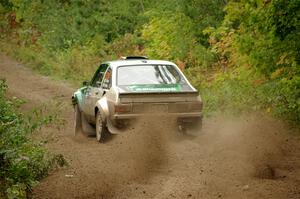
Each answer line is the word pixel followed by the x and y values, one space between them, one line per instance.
pixel 77 120
pixel 100 128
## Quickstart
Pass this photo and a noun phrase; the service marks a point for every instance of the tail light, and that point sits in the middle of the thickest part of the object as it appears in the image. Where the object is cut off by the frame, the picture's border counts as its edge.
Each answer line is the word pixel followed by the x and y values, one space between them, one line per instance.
pixel 123 108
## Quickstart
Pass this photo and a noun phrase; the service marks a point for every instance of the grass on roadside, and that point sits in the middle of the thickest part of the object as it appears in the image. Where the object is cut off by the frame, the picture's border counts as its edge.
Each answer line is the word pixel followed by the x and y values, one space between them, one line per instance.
pixel 23 162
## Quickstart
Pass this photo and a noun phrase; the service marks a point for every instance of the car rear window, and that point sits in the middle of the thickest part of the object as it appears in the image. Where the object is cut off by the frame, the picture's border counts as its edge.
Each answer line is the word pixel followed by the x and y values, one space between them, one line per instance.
pixel 148 74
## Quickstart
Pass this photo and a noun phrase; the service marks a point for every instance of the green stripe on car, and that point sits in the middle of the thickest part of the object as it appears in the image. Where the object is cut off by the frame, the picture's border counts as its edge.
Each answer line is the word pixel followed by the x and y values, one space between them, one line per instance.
pixel 155 88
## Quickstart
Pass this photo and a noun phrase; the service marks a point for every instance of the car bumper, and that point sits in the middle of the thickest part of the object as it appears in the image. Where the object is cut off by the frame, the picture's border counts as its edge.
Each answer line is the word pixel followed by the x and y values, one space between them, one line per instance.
pixel 177 115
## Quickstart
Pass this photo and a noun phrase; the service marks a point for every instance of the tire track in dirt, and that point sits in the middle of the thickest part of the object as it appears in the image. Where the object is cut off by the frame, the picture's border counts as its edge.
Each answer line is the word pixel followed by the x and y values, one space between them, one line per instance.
pixel 246 157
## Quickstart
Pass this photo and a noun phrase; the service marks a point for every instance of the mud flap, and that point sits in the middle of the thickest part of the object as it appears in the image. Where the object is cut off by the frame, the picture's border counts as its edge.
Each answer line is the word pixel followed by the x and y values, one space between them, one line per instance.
pixel 192 127
pixel 86 127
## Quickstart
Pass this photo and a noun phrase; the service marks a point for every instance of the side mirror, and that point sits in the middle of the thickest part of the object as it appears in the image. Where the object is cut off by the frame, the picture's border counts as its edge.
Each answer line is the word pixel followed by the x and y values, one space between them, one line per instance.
pixel 85 83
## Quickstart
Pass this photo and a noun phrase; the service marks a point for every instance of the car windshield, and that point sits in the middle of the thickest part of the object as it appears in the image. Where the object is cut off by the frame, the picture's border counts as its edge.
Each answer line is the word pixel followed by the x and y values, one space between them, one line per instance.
pixel 148 74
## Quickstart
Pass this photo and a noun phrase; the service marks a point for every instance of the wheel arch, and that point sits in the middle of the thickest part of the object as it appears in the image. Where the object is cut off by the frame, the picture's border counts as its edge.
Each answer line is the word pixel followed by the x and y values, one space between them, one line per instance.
pixel 102 106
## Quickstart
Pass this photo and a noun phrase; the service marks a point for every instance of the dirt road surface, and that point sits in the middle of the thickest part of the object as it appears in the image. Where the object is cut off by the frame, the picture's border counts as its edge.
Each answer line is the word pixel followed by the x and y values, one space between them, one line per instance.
pixel 246 157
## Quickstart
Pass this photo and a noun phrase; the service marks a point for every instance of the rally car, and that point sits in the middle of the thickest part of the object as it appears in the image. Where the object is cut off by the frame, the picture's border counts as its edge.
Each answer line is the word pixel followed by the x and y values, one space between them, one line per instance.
pixel 123 90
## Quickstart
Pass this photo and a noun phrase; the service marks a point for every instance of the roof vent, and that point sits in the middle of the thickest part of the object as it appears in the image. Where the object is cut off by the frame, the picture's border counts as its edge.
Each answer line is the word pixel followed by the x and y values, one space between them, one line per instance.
pixel 134 57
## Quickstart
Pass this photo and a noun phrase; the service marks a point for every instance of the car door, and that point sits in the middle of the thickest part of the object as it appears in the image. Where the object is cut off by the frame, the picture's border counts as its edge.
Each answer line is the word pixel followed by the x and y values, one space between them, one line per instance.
pixel 95 91
pixel 106 86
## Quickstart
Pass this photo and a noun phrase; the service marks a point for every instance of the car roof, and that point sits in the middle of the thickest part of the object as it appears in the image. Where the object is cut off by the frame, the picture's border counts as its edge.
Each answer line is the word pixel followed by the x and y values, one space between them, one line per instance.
pixel 117 63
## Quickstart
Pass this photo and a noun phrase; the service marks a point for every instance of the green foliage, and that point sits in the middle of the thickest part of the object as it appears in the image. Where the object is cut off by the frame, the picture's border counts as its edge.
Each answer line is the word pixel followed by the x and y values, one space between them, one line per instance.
pixel 22 162
pixel 204 13
pixel 172 36
pixel 75 22
pixel 261 37
pixel 129 44
pixel 169 36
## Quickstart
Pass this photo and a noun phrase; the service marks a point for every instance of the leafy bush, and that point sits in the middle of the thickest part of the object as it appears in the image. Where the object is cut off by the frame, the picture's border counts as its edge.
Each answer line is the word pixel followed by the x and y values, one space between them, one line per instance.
pixel 260 37
pixel 22 162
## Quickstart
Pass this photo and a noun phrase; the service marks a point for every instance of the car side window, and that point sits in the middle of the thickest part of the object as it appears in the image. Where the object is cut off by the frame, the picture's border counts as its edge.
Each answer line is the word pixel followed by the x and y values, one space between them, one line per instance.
pixel 107 80
pixel 98 76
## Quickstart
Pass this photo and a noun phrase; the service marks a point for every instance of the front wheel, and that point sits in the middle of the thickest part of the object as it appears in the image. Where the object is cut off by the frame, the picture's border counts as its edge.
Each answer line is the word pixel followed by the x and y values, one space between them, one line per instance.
pixel 100 128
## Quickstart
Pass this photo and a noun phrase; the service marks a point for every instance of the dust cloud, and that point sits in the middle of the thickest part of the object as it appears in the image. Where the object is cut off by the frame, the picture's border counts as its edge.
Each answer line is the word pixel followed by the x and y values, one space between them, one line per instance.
pixel 252 145
pixel 227 152
pixel 146 146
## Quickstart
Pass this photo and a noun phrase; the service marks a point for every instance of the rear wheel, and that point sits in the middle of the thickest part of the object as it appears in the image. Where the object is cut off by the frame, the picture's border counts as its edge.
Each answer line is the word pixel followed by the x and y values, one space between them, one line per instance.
pixel 77 120
pixel 100 128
